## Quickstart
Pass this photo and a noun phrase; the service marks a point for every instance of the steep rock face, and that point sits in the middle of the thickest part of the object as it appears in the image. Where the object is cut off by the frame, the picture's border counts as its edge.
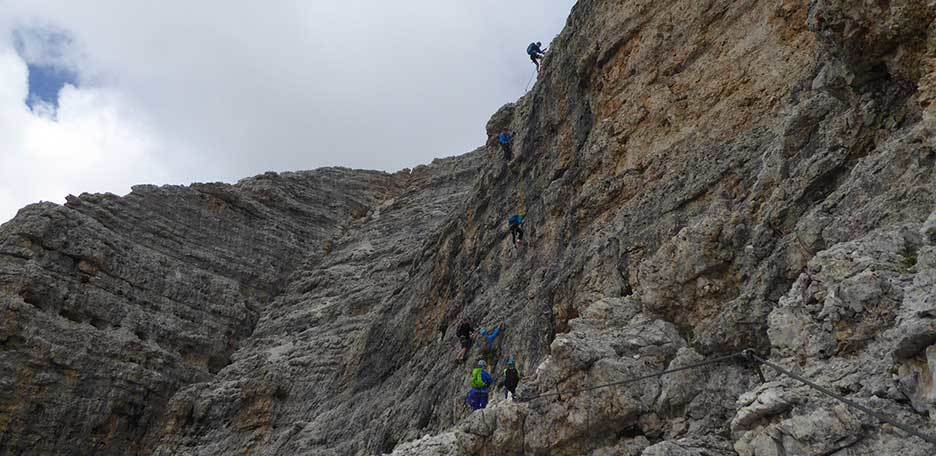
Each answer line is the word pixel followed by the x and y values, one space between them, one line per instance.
pixel 687 161
pixel 319 375
pixel 699 177
pixel 112 304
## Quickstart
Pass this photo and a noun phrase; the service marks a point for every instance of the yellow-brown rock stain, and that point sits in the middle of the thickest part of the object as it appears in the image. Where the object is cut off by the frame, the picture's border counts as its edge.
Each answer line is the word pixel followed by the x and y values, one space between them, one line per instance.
pixel 255 417
pixel 718 82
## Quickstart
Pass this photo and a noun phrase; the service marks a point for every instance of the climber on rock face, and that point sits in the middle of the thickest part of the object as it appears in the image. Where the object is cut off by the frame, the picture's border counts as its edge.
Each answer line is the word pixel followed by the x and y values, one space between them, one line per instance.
pixel 515 224
pixel 464 336
pixel 504 139
pixel 536 54
pixel 511 379
pixel 489 345
pixel 480 382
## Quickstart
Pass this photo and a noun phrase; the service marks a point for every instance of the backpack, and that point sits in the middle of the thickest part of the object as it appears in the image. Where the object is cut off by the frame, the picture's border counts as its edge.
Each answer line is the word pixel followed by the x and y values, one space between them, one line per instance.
pixel 515 220
pixel 511 377
pixel 477 381
pixel 464 331
pixel 531 49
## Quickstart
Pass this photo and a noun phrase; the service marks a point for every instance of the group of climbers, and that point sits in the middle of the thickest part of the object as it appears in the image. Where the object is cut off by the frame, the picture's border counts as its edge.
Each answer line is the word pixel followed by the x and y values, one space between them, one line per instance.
pixel 506 136
pixel 505 139
pixel 482 381
pixel 481 378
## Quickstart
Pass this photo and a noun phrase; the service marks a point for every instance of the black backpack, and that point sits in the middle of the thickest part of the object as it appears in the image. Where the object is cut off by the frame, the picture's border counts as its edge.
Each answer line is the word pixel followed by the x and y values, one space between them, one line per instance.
pixel 511 377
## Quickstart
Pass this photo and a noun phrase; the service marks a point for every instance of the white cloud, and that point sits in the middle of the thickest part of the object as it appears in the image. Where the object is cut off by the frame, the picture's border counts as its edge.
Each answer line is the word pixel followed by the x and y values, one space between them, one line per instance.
pixel 177 91
pixel 44 44
pixel 89 144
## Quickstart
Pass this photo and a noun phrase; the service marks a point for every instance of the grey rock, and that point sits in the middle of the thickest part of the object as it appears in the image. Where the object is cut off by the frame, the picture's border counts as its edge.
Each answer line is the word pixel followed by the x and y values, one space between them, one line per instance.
pixel 500 120
pixel 689 447
pixel 929 229
pixel 699 178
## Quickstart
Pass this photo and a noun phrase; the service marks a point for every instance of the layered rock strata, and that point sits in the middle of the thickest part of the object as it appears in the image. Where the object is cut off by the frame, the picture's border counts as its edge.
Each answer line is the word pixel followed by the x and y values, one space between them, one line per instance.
pixel 698 178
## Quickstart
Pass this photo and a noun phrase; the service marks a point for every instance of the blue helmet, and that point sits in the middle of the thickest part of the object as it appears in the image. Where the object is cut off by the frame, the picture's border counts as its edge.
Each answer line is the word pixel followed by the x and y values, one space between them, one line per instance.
pixel 510 362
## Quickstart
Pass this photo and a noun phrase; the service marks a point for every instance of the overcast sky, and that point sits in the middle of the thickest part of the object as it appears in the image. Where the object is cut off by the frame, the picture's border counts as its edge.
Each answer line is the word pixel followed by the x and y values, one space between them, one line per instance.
pixel 100 95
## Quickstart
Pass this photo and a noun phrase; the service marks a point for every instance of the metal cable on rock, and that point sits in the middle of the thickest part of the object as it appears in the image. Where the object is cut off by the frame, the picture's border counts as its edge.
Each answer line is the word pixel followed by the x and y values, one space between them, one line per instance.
pixel 635 379
pixel 842 399
pixel 746 354
pixel 523 435
pixel 559 393
pixel 527 89
pixel 588 408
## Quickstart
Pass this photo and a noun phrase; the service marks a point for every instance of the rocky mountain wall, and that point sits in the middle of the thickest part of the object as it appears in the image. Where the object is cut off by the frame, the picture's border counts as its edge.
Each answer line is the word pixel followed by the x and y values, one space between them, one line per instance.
pixel 699 177
pixel 699 159
pixel 110 305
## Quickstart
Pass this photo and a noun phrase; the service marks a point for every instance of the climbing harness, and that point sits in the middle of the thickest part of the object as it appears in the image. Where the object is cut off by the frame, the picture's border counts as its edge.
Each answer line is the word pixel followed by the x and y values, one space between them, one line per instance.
pixel 751 356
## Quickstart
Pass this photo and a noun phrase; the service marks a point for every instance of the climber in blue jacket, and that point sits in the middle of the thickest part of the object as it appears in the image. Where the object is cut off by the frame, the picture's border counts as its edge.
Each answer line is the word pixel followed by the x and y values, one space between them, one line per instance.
pixel 536 54
pixel 504 139
pixel 481 381
pixel 488 345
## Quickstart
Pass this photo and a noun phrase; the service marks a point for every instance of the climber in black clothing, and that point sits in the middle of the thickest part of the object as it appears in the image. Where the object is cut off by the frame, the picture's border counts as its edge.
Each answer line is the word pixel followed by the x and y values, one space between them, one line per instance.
pixel 536 54
pixel 511 379
pixel 464 336
pixel 515 226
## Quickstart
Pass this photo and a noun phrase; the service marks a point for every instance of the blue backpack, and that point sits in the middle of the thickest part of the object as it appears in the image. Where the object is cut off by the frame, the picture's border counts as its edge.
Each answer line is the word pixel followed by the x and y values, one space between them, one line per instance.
pixel 515 220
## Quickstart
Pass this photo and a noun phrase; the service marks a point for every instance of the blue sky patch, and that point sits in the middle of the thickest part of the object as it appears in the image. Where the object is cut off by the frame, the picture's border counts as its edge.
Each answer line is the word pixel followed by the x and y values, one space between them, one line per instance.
pixel 49 57
pixel 45 82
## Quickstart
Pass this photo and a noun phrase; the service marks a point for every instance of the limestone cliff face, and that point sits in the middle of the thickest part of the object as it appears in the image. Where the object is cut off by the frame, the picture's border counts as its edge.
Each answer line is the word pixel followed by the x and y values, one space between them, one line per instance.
pixel 111 305
pixel 699 177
